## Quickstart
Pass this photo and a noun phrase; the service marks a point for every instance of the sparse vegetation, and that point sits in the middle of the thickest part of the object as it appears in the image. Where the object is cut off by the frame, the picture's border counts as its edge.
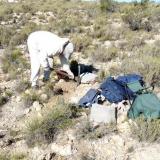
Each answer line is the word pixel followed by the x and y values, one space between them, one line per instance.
pixel 107 5
pixel 14 63
pixel 104 55
pixel 12 156
pixel 29 98
pixel 22 85
pixel 87 131
pixel 4 96
pixel 146 130
pixel 45 129
pixel 118 38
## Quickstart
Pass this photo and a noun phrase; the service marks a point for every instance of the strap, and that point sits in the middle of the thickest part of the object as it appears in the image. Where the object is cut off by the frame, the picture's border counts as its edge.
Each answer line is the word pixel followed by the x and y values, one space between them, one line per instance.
pixel 64 46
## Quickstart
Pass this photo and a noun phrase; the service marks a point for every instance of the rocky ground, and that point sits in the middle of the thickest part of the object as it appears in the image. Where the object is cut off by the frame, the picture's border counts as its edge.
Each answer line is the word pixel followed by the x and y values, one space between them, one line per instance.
pixel 78 142
pixel 116 146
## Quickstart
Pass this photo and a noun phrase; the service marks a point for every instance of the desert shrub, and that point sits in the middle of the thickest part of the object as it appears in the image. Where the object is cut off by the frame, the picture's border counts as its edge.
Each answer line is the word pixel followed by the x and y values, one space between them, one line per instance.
pixel 6 34
pixel 81 42
pixel 4 156
pixel 22 85
pixel 151 50
pixel 4 96
pixel 102 75
pixel 14 63
pixel 29 98
pixel 49 89
pixel 87 131
pixel 137 18
pixel 18 156
pixel 103 54
pixel 12 156
pixel 135 43
pixel 107 5
pixel 21 37
pixel 5 11
pixel 146 130
pixel 45 129
pixel 147 66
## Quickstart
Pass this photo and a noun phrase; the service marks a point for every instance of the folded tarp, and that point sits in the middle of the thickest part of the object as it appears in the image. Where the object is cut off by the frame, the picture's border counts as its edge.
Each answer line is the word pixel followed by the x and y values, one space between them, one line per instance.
pixel 89 98
pixel 113 91
pixel 147 105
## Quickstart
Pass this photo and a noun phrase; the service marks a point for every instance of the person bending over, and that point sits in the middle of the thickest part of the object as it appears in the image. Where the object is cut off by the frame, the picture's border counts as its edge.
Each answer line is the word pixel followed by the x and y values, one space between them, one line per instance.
pixel 42 47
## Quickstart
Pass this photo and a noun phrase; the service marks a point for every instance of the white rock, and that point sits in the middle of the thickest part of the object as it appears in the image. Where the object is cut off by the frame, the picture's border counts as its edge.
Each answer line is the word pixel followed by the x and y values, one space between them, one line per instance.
pixel 18 99
pixel 27 91
pixel 118 140
pixel 157 37
pixel 44 97
pixel 27 110
pixel 150 41
pixel 108 44
pixel 65 150
pixel 102 114
pixel 61 81
pixel 37 106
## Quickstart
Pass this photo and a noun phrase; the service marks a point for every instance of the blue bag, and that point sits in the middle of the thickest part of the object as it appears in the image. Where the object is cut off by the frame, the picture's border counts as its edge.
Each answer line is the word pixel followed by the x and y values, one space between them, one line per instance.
pixel 89 98
pixel 113 91
pixel 129 78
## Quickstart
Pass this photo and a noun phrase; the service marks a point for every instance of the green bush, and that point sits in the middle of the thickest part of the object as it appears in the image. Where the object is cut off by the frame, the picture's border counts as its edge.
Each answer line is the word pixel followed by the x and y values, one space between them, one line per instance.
pixel 81 42
pixel 22 85
pixel 4 96
pixel 29 98
pixel 134 16
pixel 21 37
pixel 146 130
pixel 45 129
pixel 12 156
pixel 5 11
pixel 6 34
pixel 103 54
pixel 107 5
pixel 14 63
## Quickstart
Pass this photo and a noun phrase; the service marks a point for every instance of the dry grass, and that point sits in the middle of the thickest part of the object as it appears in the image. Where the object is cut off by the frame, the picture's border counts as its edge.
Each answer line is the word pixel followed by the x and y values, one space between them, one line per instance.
pixel 45 129
pixel 146 130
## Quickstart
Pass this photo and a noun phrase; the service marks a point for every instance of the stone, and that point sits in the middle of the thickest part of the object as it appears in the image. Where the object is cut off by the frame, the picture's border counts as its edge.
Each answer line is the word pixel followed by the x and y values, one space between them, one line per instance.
pixel 116 139
pixel 27 110
pixel 65 150
pixel 108 44
pixel 61 81
pixel 37 153
pixel 120 43
pixel 18 99
pixel 27 91
pixel 44 97
pixel 150 41
pixel 102 114
pixel 37 106
pixel 157 37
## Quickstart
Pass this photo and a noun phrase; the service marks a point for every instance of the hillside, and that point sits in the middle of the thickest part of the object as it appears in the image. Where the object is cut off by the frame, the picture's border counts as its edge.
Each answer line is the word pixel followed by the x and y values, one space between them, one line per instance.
pixel 45 124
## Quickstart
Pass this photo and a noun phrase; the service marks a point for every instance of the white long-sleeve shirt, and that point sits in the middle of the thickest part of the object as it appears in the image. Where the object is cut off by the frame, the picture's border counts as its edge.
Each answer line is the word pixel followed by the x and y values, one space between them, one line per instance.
pixel 43 45
pixel 46 42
